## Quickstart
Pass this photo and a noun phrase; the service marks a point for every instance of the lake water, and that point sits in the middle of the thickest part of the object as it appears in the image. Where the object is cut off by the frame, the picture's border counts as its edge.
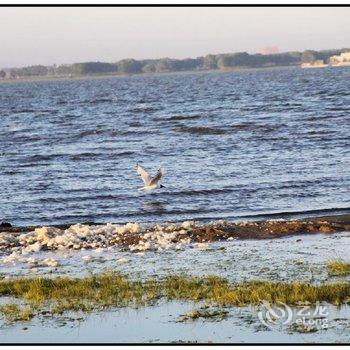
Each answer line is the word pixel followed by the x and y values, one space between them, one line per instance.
pixel 235 145
pixel 160 324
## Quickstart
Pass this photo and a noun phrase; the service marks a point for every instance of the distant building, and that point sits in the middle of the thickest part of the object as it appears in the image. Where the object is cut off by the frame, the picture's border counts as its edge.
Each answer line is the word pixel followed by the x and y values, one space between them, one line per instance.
pixel 269 50
pixel 342 60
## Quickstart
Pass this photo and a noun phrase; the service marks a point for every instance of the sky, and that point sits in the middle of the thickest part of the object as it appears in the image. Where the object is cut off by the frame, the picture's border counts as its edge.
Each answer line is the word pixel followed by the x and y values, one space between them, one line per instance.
pixel 65 35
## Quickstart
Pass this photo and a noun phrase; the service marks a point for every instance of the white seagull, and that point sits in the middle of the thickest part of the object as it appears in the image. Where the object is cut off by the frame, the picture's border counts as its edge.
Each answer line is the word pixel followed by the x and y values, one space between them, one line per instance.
pixel 150 184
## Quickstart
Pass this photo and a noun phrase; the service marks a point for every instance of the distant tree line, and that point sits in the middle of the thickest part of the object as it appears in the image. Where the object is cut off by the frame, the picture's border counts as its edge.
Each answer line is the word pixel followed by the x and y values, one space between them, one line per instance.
pixel 132 66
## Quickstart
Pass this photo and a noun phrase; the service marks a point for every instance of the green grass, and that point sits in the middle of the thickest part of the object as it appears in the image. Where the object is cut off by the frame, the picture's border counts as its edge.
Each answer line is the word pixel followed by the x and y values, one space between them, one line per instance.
pixel 114 290
pixel 338 268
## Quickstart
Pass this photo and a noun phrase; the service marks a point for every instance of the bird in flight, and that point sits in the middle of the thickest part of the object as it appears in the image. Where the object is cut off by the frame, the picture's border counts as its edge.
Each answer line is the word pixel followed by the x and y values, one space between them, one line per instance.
pixel 150 183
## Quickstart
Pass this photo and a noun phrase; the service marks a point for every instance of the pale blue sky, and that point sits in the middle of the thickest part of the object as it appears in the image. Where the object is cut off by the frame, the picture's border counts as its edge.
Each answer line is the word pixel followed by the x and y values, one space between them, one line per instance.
pixel 66 35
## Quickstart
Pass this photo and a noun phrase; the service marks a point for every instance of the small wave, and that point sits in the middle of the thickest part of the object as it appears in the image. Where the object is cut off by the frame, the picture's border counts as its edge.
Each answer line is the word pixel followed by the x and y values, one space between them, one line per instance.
pixel 321 118
pixel 177 117
pixel 135 124
pixel 322 92
pixel 11 172
pixel 264 128
pixel 52 111
pixel 101 197
pixel 101 100
pixel 82 156
pixel 200 130
pixel 243 126
pixel 291 104
pixel 25 139
pixel 125 153
pixel 100 154
pixel 85 133
pixel 319 132
pixel 203 192
pixel 31 165
pixel 43 157
pixel 299 214
pixel 143 109
pixel 115 133
pixel 25 110
pixel 250 108
pixel 338 109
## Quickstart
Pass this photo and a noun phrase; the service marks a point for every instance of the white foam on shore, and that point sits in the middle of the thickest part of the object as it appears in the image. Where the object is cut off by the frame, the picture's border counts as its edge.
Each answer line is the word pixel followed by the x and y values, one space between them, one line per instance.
pixel 95 237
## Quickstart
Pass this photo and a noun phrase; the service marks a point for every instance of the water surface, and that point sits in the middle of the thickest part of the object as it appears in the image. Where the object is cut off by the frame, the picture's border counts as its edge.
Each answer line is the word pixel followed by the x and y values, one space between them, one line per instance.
pixel 234 145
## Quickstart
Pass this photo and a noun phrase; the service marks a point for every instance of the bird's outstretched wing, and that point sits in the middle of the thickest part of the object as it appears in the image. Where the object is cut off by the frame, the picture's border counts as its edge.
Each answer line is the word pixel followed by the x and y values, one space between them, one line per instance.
pixel 158 176
pixel 144 174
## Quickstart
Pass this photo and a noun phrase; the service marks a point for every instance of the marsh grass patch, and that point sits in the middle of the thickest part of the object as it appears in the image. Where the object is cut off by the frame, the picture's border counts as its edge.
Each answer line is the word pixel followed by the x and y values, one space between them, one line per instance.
pixel 13 312
pixel 301 328
pixel 113 290
pixel 205 314
pixel 338 268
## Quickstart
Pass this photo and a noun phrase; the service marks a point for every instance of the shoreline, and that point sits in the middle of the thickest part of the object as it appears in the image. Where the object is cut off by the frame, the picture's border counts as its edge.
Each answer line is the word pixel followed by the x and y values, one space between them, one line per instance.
pixel 35 79
pixel 214 231
pixel 336 215
pixel 38 79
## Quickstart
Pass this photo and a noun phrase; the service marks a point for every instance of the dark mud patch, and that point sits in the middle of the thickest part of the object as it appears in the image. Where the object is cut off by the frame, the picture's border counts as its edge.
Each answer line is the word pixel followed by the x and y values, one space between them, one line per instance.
pixel 266 229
